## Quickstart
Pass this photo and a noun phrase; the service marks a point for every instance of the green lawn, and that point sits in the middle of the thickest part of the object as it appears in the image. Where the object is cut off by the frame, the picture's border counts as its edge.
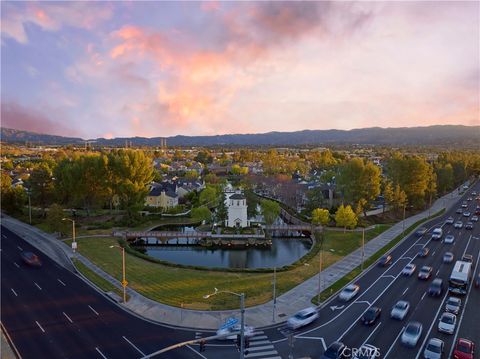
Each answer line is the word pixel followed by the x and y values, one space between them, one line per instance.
pixel 177 286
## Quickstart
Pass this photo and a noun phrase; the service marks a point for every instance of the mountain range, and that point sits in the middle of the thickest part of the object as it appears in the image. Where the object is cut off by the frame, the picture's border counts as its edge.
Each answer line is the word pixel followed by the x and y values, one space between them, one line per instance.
pixel 439 135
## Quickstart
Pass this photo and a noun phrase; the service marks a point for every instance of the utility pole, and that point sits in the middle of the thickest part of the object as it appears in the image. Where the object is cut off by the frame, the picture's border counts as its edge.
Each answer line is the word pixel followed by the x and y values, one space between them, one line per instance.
pixel 29 206
pixel 363 247
pixel 403 222
pixel 274 292
pixel 320 270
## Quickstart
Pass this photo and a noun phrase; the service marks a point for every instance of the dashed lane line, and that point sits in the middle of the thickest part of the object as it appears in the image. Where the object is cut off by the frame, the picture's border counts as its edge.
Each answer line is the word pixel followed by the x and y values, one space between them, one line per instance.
pixel 68 318
pixel 40 288
pixel 16 265
pixel 20 248
pixel 405 291
pixel 99 352
pixel 43 330
pixel 61 282
pixel 393 344
pixel 16 295
pixel 93 310
pixel 133 345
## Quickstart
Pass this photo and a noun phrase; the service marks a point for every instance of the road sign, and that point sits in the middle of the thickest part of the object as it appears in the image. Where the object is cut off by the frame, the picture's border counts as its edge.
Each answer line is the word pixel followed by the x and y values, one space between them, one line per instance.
pixel 74 245
pixel 124 283
pixel 230 322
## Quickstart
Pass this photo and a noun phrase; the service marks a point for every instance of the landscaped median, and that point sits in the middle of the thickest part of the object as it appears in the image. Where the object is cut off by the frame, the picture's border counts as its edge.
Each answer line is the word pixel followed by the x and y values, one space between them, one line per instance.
pixel 178 286
pixel 335 287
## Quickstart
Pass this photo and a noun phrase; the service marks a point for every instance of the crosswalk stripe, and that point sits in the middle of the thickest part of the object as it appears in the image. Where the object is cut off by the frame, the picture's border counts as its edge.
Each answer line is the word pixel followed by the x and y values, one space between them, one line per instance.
pixel 254 349
pixel 260 354
pixel 259 342
pixel 277 357
pixel 259 337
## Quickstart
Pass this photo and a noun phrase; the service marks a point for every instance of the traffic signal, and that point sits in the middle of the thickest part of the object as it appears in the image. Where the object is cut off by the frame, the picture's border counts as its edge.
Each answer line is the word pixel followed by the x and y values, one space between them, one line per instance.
pixel 238 342
pixel 247 342
pixel 202 346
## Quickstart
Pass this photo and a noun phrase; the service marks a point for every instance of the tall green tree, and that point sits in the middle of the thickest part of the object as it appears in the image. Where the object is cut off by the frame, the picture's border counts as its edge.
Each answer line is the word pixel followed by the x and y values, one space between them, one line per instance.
pixel 55 217
pixel 41 185
pixel 208 196
pixel 270 210
pixel 201 214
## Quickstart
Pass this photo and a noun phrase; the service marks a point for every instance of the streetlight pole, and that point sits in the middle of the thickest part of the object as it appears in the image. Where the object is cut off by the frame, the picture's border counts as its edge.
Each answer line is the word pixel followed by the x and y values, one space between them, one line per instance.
pixel 124 279
pixel 242 316
pixel 320 269
pixel 363 247
pixel 29 206
pixel 274 292
pixel 74 243
pixel 403 222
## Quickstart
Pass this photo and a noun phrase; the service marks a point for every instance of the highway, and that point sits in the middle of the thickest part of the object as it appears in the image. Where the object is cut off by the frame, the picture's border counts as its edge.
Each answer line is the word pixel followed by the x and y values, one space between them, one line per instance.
pixel 51 312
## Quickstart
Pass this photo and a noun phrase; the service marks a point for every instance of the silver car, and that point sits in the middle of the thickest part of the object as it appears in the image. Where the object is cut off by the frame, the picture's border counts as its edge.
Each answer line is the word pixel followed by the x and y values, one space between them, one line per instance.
pixel 400 310
pixel 449 238
pixel 409 269
pixel 434 349
pixel 302 318
pixel 458 224
pixel 453 305
pixel 411 334
pixel 349 292
pixel 447 323
pixel 448 257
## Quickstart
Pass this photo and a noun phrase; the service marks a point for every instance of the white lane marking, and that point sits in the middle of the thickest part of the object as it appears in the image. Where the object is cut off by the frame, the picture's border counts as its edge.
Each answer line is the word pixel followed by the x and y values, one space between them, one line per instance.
pixel 62 282
pixel 196 352
pixel 363 302
pixel 66 316
pixel 16 265
pixel 38 286
pixel 433 253
pixel 457 329
pixel 20 248
pixel 438 271
pixel 465 251
pixel 93 310
pixel 373 331
pixel 410 258
pixel 133 345
pixel 4 236
pixel 431 325
pixel 16 295
pixel 405 291
pixel 43 330
pixel 256 349
pixel 393 344
pixel 389 275
pixel 99 352
pixel 423 296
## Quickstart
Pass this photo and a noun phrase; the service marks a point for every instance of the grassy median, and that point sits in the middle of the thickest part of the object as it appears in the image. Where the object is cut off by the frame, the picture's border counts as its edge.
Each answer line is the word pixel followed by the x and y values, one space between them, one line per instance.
pixel 180 286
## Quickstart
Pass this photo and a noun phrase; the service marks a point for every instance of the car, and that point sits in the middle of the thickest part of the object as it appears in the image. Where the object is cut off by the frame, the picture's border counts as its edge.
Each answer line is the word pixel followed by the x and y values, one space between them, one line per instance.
pixel 31 259
pixel 437 233
pixel 449 239
pixel 434 349
pixel 230 331
pixel 371 315
pixel 349 292
pixel 400 310
pixel 425 272
pixel 464 205
pixel 474 218
pixel 469 225
pixel 422 253
pixel 469 199
pixel 449 220
pixel 453 305
pixel 459 211
pixel 464 349
pixel 467 258
pixel 458 224
pixel 448 257
pixel 477 281
pixel 436 287
pixel 477 211
pixel 411 334
pixel 367 351
pixel 421 231
pixel 385 260
pixel 409 269
pixel 474 193
pixel 334 351
pixel 447 323
pixel 302 318
pixel 466 214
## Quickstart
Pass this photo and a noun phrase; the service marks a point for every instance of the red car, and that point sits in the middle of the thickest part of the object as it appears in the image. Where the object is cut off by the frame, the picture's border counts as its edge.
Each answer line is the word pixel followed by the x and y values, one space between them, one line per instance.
pixel 464 349
pixel 31 259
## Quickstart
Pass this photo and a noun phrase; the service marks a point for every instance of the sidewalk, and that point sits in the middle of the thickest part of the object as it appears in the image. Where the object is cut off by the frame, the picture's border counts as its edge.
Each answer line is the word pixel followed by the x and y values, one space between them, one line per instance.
pixel 287 304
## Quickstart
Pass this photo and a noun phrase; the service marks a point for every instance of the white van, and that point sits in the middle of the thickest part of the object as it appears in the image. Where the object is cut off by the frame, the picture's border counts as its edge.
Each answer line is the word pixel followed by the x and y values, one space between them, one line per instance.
pixel 437 233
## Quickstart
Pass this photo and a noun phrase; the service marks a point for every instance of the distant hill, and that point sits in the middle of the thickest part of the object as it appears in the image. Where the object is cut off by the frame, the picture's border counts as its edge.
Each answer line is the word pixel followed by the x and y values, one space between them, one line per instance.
pixel 446 135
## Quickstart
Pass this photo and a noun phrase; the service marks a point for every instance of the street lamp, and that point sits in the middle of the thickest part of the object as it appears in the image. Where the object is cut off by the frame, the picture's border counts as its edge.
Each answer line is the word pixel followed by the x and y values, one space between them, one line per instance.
pixel 242 313
pixel 124 280
pixel 74 243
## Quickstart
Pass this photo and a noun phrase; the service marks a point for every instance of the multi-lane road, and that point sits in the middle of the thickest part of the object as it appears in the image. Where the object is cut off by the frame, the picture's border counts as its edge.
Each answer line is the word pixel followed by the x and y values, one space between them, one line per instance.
pixel 51 312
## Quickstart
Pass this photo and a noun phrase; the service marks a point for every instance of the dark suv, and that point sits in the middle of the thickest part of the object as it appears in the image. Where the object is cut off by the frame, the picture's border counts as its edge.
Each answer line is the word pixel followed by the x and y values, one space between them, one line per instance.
pixel 334 351
pixel 436 287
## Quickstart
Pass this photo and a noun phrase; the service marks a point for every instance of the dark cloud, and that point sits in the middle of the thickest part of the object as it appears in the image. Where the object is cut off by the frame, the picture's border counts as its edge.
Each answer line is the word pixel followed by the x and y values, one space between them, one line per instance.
pixel 16 116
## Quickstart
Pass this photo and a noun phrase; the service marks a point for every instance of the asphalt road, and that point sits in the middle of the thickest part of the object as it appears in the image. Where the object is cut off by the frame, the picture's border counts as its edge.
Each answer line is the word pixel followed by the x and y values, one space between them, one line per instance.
pixel 50 312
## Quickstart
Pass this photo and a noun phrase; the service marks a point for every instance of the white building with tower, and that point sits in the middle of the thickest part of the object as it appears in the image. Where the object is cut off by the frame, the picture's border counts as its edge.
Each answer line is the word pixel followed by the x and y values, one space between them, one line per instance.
pixel 237 210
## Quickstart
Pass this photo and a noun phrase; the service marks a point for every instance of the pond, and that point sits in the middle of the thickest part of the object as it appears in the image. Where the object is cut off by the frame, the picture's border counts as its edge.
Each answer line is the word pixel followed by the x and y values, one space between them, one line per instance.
pixel 282 252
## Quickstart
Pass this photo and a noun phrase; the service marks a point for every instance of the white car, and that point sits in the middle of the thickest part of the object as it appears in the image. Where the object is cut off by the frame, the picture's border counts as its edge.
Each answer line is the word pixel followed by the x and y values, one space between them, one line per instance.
pixel 447 323
pixel 367 351
pixel 349 292
pixel 464 205
pixel 411 334
pixel 449 220
pixel 400 310
pixel 248 331
pixel 409 269
pixel 474 218
pixel 302 318
pixel 453 305
pixel 449 238
pixel 458 224
pixel 448 257
pixel 466 214
pixel 434 349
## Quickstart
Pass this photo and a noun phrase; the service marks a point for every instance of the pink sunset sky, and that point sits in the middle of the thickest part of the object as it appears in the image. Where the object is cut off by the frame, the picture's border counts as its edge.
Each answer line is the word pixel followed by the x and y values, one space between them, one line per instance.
pixel 104 69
